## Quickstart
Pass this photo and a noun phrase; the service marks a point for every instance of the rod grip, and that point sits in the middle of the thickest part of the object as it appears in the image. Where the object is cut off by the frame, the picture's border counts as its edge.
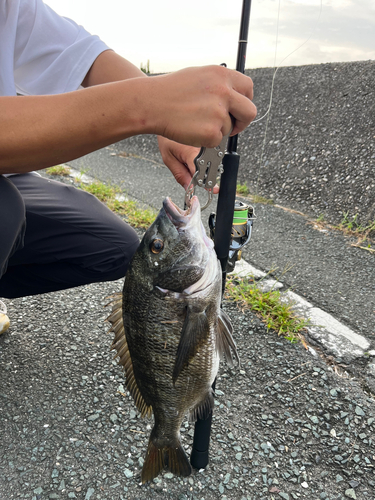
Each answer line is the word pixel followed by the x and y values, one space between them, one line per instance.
pixel 201 443
pixel 225 207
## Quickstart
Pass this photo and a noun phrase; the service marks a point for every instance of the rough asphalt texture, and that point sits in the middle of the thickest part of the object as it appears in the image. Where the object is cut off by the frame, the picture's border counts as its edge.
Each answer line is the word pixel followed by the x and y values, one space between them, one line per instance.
pixel 286 426
pixel 318 154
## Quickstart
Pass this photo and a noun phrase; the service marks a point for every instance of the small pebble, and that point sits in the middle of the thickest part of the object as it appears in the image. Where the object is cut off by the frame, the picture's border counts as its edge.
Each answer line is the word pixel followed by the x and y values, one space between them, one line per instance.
pixel 350 493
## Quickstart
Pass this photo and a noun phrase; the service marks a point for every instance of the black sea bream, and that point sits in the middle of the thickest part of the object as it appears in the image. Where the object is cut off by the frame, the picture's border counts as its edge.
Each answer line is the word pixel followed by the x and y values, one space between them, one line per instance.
pixel 170 330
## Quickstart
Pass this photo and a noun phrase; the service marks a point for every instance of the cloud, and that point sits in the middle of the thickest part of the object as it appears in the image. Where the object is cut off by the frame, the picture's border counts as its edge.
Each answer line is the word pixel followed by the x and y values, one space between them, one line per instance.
pixel 173 35
pixel 313 32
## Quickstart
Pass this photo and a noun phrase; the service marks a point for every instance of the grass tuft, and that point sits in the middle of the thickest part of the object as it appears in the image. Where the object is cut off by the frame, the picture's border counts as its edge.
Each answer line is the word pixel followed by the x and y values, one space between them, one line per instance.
pixel 108 194
pixel 275 313
pixel 257 198
pixel 104 192
pixel 59 170
pixel 146 68
pixel 135 216
pixel 352 226
pixel 242 189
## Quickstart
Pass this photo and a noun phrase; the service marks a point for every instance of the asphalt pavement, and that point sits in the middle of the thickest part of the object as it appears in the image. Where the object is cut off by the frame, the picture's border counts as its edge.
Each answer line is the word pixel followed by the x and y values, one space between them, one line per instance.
pixel 289 423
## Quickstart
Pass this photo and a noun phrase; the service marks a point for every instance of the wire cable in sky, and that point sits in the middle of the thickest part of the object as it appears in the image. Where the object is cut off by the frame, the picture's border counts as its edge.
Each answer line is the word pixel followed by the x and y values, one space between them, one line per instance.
pixel 273 82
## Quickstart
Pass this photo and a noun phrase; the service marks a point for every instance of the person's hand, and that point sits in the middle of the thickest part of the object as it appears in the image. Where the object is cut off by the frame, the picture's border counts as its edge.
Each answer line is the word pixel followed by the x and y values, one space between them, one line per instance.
pixel 198 106
pixel 180 160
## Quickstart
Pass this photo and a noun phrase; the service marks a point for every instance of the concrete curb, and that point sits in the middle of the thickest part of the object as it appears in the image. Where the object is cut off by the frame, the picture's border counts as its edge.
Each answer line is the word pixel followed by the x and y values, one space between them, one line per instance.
pixel 330 334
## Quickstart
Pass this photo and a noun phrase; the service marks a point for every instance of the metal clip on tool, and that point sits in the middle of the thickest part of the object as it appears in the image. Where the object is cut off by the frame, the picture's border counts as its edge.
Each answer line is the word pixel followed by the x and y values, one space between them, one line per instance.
pixel 209 167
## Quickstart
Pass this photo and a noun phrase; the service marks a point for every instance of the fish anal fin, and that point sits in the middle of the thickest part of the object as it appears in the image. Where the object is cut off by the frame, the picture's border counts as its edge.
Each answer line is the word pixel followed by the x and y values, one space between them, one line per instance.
pixel 203 409
pixel 172 458
pixel 120 345
pixel 194 330
pixel 225 342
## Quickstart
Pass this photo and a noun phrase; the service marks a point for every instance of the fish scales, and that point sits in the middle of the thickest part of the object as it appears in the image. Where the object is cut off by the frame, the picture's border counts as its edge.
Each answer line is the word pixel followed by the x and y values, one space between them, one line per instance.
pixel 155 362
pixel 172 332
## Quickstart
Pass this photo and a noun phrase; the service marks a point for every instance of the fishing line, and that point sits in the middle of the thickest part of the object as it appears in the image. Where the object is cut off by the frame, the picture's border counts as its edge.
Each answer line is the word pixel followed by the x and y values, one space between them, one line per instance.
pixel 267 113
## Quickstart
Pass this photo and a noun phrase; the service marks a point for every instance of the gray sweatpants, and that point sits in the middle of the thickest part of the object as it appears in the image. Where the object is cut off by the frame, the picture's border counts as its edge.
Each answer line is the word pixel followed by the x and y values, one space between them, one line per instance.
pixel 54 236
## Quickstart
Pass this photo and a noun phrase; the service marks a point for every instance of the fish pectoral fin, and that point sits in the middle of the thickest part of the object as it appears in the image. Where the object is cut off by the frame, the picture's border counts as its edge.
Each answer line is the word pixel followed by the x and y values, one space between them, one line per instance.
pixel 225 342
pixel 203 409
pixel 172 458
pixel 194 331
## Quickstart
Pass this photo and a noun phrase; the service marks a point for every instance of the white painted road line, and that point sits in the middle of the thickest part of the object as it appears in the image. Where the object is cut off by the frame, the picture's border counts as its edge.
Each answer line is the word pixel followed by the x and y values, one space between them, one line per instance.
pixel 244 269
pixel 331 334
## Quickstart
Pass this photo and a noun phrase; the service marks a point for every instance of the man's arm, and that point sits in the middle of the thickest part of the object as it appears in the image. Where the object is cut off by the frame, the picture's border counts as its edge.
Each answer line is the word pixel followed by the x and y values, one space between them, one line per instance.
pixel 179 158
pixel 191 107
pixel 110 67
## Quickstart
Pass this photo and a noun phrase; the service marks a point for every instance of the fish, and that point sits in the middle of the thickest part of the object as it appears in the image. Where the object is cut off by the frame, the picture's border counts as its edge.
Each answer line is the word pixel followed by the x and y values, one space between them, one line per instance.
pixel 170 331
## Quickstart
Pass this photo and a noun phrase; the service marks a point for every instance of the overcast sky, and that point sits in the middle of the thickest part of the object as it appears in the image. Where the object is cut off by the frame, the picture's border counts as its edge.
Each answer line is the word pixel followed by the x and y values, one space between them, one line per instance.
pixel 175 34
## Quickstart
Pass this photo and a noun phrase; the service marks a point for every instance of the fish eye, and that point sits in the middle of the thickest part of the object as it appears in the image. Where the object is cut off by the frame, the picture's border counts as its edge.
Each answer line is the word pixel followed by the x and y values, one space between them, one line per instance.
pixel 157 246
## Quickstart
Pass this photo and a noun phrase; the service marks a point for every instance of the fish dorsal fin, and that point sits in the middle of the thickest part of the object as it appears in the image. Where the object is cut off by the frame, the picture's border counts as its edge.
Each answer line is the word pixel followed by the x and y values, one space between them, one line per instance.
pixel 194 330
pixel 225 342
pixel 122 352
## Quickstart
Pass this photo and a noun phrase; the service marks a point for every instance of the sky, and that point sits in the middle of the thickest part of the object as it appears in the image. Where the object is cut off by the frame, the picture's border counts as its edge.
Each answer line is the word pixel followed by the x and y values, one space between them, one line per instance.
pixel 172 34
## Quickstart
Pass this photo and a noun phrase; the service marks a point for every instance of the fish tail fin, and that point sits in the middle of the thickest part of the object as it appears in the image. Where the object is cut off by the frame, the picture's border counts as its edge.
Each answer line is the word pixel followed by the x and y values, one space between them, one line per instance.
pixel 172 458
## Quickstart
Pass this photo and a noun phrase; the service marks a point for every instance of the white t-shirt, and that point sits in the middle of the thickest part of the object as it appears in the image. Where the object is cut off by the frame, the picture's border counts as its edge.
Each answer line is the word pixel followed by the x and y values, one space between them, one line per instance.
pixel 41 52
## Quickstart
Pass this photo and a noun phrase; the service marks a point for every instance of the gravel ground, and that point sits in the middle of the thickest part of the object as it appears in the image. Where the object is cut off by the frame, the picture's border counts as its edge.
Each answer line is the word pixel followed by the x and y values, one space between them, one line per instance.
pixel 285 426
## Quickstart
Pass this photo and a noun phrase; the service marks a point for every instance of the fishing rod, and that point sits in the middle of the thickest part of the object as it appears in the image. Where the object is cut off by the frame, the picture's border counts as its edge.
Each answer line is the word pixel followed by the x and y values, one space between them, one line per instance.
pixel 231 226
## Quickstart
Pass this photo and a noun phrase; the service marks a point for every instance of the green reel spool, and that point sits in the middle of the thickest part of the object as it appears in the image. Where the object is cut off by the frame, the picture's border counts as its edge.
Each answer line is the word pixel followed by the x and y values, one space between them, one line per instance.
pixel 243 217
pixel 240 218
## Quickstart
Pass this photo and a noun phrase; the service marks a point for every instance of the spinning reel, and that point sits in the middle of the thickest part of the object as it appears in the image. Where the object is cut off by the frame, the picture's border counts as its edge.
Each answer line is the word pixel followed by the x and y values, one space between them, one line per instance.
pixel 243 218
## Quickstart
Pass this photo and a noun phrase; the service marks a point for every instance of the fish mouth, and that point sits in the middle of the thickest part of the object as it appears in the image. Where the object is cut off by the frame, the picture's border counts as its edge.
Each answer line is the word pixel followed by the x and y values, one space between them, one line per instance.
pixel 186 220
pixel 178 216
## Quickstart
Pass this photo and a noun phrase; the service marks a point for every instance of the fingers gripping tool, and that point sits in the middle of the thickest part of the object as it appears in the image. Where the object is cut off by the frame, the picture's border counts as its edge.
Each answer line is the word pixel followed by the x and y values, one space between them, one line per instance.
pixel 209 167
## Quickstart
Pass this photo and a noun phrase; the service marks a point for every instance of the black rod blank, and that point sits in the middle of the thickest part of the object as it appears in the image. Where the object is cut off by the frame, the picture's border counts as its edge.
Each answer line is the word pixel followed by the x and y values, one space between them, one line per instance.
pixel 223 229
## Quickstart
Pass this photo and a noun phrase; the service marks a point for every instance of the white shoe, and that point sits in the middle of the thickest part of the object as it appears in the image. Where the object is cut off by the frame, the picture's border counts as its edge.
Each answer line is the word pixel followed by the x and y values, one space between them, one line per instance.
pixel 4 320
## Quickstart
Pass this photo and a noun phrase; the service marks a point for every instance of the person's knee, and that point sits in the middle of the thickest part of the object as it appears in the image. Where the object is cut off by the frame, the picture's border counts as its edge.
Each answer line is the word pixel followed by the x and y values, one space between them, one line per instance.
pixel 115 259
pixel 121 261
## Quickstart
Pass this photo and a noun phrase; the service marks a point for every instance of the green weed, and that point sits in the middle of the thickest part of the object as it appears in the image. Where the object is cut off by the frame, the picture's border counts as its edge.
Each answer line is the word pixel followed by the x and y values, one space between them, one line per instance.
pixel 275 313
pixel 242 189
pixel 104 192
pixel 136 217
pixel 108 194
pixel 257 198
pixel 146 69
pixel 82 172
pixel 59 170
pixel 364 233
pixel 352 226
